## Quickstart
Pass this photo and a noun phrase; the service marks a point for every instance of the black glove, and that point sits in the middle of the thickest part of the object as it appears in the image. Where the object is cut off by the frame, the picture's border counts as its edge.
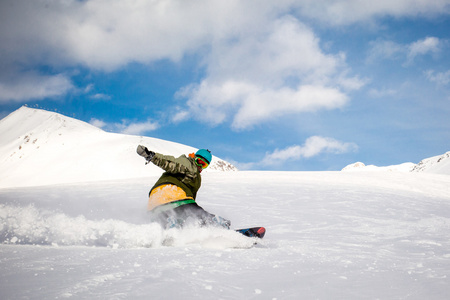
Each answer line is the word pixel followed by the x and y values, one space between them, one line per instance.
pixel 144 152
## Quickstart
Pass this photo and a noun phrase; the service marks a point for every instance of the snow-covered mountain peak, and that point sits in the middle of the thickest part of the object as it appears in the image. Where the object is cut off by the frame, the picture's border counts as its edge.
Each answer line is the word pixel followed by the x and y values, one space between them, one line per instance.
pixel 437 164
pixel 359 166
pixel 30 120
pixel 39 147
pixel 355 166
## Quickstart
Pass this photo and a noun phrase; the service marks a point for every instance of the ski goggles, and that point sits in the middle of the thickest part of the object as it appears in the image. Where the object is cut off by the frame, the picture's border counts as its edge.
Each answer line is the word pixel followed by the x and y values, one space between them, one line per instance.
pixel 201 163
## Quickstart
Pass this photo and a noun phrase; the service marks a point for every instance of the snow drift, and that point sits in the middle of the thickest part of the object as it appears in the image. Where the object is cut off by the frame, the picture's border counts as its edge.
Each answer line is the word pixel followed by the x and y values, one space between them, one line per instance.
pixel 330 235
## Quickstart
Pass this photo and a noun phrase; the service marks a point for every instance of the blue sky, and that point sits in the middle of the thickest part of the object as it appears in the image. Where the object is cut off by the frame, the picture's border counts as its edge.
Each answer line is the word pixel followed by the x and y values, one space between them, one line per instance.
pixel 267 85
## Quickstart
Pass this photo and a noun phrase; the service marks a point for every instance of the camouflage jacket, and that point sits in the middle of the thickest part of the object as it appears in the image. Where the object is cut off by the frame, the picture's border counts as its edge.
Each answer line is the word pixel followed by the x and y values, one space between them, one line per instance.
pixel 181 171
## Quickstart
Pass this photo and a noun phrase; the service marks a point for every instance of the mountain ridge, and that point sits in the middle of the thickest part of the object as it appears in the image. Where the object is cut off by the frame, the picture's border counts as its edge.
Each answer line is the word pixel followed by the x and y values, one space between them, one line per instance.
pixel 39 147
pixel 439 164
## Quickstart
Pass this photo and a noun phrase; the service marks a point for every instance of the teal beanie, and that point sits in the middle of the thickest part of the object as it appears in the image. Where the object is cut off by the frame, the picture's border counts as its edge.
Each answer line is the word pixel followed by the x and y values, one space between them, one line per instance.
pixel 205 154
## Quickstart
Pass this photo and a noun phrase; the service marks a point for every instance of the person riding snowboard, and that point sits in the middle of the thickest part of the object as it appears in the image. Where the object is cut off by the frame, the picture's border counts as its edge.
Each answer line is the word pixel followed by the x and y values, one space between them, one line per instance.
pixel 172 199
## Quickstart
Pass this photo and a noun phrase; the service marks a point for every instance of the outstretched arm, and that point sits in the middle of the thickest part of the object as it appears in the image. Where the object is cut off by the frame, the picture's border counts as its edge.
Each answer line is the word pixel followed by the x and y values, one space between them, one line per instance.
pixel 174 165
pixel 169 163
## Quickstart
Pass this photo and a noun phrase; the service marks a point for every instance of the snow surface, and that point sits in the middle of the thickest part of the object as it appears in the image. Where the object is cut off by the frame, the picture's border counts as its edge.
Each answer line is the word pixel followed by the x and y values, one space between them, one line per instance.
pixel 330 235
pixel 73 224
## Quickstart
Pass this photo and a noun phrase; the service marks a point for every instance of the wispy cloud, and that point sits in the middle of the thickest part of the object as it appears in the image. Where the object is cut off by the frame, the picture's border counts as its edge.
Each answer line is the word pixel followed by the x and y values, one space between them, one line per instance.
pixel 33 86
pixel 126 127
pixel 385 49
pixel 428 45
pixel 313 146
pixel 380 93
pixel 100 96
pixel 441 78
pixel 345 12
pixel 98 123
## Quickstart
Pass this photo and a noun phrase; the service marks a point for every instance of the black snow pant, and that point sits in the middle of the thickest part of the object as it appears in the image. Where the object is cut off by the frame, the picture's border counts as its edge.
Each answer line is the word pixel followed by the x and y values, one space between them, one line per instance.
pixel 190 213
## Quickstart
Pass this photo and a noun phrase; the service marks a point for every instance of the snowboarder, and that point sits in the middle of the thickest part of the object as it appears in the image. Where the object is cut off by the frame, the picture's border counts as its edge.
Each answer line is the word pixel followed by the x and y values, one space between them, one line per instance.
pixel 172 199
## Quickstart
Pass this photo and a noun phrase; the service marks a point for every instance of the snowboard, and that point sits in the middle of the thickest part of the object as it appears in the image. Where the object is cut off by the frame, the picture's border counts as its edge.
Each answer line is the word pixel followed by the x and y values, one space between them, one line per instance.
pixel 258 232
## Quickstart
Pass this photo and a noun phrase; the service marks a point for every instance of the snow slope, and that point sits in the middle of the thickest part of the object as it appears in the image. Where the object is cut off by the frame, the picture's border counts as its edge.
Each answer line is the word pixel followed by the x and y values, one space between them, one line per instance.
pixel 330 235
pixel 439 164
pixel 73 225
pixel 38 147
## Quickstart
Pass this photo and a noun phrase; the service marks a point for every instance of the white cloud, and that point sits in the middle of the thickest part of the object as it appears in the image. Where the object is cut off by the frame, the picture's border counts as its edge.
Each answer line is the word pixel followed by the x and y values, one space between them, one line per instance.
pixel 424 46
pixel 98 123
pixel 179 115
pixel 108 34
pixel 250 104
pixel 261 61
pixel 88 88
pixel 126 127
pixel 284 49
pixel 100 96
pixel 279 71
pixel 139 128
pixel 33 86
pixel 344 12
pixel 380 93
pixel 382 49
pixel 441 78
pixel 313 146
